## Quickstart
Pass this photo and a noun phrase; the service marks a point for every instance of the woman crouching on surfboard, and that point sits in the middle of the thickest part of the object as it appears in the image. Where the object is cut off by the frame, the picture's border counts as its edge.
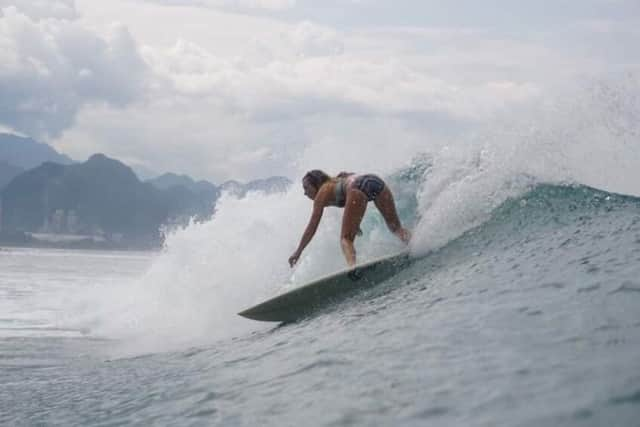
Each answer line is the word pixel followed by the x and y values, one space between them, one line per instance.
pixel 352 192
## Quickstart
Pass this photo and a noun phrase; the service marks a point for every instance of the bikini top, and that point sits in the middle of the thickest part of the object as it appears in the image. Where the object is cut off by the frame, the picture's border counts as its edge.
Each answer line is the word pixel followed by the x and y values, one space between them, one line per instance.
pixel 341 190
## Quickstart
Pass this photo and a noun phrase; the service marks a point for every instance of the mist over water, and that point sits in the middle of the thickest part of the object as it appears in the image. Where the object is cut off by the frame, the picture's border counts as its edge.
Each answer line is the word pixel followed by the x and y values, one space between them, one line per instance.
pixel 209 271
pixel 588 135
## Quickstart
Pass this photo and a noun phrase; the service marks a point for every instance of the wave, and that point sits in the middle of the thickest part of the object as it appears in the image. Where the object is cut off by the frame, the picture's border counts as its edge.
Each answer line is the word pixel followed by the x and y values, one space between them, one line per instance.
pixel 548 204
pixel 576 220
pixel 464 193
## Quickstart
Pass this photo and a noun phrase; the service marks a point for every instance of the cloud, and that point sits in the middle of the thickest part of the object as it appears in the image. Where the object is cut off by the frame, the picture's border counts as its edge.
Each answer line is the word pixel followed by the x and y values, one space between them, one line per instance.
pixel 269 5
pixel 307 39
pixel 612 41
pixel 238 96
pixel 180 136
pixel 506 15
pixel 306 71
pixel 52 67
pixel 42 9
pixel 253 4
pixel 257 112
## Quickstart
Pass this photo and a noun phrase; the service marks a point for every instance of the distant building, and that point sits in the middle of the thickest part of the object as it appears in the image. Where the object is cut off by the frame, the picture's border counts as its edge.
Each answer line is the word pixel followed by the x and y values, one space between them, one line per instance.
pixel 72 222
pixel 45 205
pixel 57 221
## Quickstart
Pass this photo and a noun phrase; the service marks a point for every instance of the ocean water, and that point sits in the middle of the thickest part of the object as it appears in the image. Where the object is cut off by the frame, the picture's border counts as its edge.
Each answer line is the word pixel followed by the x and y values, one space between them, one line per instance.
pixel 531 318
pixel 522 307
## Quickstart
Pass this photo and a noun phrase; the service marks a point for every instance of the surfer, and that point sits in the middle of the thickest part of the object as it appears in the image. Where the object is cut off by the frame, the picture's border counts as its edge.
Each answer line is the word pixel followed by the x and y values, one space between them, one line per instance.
pixel 351 192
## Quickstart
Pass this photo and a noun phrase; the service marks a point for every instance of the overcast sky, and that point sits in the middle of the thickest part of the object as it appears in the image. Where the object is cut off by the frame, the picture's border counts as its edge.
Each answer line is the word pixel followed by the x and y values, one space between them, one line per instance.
pixel 241 89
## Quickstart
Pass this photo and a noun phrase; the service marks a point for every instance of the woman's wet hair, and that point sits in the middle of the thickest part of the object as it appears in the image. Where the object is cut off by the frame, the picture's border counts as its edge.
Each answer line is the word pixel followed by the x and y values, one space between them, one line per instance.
pixel 316 178
pixel 344 174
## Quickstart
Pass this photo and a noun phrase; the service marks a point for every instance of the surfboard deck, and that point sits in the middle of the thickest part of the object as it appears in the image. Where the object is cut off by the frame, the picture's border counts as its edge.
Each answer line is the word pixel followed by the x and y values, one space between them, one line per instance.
pixel 304 300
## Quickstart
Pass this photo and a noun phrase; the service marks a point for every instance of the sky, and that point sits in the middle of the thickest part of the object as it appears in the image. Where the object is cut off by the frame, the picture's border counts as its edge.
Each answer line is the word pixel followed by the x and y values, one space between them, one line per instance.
pixel 243 89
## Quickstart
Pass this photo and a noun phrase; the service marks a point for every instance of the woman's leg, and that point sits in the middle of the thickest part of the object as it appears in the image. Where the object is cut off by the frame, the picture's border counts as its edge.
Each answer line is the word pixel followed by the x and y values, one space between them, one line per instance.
pixel 354 208
pixel 387 207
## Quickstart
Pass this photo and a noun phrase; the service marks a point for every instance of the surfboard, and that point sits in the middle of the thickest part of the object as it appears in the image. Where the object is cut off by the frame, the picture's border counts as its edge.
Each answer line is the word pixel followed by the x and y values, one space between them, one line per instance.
pixel 304 300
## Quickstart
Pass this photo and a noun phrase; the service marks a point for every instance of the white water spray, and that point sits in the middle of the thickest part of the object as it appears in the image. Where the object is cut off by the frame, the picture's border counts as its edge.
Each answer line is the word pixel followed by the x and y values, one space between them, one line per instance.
pixel 210 271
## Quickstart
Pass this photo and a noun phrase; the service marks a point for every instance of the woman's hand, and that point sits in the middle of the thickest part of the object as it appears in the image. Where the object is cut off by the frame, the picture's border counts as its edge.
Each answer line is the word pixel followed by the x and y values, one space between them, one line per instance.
pixel 293 259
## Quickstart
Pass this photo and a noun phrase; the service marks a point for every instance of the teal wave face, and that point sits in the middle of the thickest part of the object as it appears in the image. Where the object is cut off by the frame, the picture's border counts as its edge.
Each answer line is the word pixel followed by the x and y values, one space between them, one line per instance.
pixel 549 227
pixel 548 204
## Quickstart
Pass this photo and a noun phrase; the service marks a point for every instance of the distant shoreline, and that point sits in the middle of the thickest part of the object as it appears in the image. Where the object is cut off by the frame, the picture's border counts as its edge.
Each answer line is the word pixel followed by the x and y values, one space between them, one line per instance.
pixel 27 240
pixel 8 246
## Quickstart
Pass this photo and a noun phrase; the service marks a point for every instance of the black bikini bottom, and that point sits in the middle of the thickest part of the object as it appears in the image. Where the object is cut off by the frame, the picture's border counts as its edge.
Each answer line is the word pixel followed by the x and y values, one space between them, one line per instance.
pixel 371 185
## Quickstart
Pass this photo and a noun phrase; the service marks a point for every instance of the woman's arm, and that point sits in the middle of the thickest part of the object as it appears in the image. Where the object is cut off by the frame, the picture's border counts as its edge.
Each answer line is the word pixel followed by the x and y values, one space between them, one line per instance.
pixel 309 232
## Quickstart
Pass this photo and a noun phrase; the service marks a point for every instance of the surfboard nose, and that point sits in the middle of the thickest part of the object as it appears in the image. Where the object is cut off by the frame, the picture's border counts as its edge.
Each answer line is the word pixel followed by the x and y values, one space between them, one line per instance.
pixel 303 301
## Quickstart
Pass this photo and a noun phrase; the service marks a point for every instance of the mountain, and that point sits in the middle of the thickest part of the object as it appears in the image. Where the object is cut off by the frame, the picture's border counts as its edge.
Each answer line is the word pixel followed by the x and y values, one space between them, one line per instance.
pixel 99 196
pixel 188 197
pixel 233 187
pixel 274 184
pixel 143 172
pixel 42 191
pixel 27 153
pixel 168 180
pixel 8 172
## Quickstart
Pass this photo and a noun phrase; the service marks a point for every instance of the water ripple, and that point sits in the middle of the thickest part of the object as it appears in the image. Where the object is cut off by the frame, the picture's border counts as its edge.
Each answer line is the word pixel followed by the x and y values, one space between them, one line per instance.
pixel 633 398
pixel 627 287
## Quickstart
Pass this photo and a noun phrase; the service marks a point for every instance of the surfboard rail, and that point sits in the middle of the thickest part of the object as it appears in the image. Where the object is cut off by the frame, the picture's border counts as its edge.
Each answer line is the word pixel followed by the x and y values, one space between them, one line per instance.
pixel 304 300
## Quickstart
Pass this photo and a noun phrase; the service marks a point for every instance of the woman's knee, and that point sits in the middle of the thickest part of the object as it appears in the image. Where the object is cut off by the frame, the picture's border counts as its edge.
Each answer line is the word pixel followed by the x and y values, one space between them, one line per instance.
pixel 346 241
pixel 348 234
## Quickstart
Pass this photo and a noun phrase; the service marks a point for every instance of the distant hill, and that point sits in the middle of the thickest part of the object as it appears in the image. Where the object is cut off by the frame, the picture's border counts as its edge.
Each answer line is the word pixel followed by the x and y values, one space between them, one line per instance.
pixel 144 173
pixel 99 196
pixel 8 172
pixel 189 198
pixel 27 153
pixel 168 180
pixel 233 187
pixel 45 192
pixel 274 184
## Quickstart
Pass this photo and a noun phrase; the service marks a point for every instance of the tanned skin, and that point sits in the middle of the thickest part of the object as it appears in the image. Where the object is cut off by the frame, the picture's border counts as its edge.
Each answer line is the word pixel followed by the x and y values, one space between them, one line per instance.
pixel 354 209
